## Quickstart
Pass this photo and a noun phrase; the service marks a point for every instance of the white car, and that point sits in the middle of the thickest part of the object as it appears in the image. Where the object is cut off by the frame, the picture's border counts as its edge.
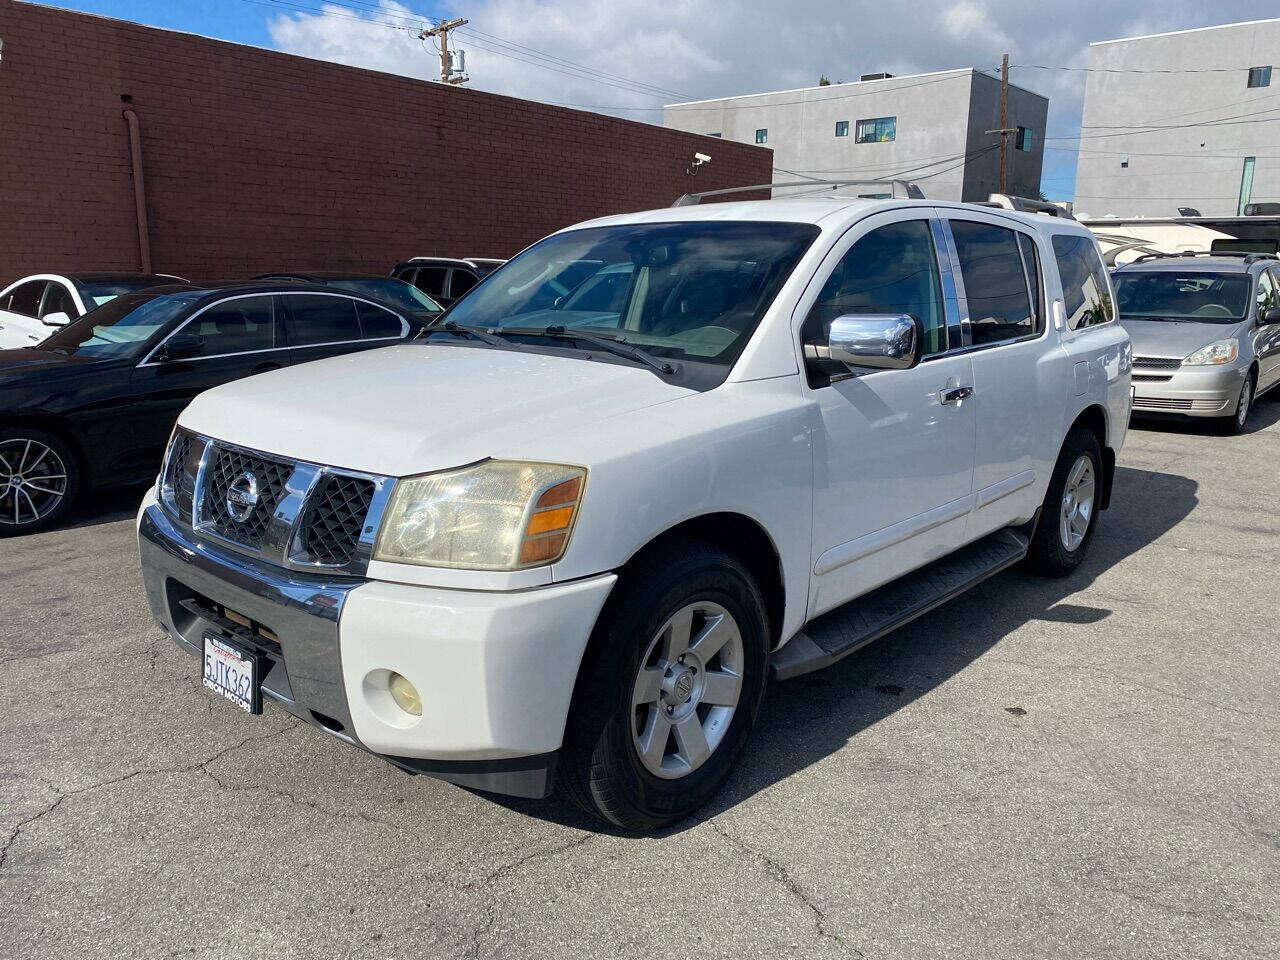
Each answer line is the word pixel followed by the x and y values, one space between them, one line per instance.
pixel 555 545
pixel 33 308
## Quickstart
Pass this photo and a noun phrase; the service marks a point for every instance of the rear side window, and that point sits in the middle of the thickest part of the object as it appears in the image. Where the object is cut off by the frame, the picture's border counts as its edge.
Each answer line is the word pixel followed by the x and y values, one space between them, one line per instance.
pixel 1085 294
pixel 318 318
pixel 1267 296
pixel 25 298
pixel 405 274
pixel 995 282
pixel 461 282
pixel 57 299
pixel 377 323
pixel 235 326
pixel 430 280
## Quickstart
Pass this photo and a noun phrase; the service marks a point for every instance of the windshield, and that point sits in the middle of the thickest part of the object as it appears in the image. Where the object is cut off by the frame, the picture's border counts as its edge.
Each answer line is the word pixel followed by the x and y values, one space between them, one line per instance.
pixel 685 291
pixel 393 291
pixel 1167 295
pixel 97 293
pixel 122 327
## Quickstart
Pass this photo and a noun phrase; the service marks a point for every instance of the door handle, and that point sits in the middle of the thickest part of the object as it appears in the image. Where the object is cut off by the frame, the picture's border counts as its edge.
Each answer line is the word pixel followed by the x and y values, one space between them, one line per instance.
pixel 955 394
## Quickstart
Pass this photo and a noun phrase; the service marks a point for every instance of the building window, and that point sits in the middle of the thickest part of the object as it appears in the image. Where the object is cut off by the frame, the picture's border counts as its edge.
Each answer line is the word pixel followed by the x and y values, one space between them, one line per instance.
pixel 716 134
pixel 1259 76
pixel 1025 139
pixel 1246 185
pixel 762 135
pixel 877 130
pixel 842 128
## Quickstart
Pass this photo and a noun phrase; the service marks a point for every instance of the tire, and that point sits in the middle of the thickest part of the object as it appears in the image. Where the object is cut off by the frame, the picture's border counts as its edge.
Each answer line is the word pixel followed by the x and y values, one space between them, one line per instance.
pixel 1234 424
pixel 631 682
pixel 1057 549
pixel 39 480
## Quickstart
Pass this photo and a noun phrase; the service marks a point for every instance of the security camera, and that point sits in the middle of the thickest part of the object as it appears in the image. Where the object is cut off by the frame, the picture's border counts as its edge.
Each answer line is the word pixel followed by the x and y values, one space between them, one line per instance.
pixel 701 158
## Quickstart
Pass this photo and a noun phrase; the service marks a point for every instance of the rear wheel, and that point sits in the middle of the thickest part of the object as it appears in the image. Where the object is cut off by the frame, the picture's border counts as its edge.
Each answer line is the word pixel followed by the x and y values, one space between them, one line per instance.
pixel 1234 424
pixel 669 689
pixel 1069 514
pixel 39 478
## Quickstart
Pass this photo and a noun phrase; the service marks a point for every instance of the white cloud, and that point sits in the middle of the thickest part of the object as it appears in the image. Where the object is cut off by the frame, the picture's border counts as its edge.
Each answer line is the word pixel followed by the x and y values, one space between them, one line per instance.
pixel 692 50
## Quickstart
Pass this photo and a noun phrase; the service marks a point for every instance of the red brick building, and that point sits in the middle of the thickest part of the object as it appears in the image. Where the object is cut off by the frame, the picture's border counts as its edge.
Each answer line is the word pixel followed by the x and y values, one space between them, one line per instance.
pixel 253 160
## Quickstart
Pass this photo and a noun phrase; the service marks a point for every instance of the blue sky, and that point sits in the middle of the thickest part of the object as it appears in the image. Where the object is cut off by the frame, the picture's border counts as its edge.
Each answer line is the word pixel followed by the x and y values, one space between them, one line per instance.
pixel 701 48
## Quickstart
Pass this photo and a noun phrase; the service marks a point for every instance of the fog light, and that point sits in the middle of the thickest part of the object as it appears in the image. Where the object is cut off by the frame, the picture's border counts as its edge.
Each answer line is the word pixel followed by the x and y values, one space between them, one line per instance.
pixel 405 694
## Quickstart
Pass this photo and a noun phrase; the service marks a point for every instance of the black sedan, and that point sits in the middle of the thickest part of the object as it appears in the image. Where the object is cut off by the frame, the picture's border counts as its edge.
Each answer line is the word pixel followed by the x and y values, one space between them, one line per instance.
pixel 401 296
pixel 93 405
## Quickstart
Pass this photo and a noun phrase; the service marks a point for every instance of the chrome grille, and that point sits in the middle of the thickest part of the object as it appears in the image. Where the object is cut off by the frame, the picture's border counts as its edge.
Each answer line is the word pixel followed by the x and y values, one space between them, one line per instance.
pixel 180 476
pixel 1162 363
pixel 335 518
pixel 225 467
pixel 1159 403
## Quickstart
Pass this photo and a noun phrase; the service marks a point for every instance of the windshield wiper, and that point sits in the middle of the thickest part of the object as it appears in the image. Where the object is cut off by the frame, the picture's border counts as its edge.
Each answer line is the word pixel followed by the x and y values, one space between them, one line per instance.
pixel 450 326
pixel 618 347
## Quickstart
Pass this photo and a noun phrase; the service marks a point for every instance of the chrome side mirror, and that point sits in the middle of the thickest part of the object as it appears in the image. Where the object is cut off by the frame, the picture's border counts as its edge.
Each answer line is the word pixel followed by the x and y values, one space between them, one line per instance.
pixel 880 341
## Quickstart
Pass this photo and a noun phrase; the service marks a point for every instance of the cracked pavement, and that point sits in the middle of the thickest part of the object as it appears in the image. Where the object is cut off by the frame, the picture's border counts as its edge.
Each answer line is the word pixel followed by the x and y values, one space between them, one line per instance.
pixel 1077 768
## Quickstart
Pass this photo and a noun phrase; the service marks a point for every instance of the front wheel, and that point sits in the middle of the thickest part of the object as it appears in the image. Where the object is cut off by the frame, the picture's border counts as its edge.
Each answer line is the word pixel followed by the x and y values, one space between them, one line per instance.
pixel 1069 514
pixel 1234 424
pixel 669 690
pixel 39 478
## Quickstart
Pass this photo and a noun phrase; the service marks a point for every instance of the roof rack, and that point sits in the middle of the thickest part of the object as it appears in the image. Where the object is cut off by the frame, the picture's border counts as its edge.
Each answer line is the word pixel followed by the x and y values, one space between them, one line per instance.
pixel 1244 255
pixel 909 189
pixel 1007 201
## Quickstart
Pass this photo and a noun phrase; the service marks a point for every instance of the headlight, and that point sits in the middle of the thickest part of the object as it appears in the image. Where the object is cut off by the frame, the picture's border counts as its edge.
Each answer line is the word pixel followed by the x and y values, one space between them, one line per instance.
pixel 496 515
pixel 1224 351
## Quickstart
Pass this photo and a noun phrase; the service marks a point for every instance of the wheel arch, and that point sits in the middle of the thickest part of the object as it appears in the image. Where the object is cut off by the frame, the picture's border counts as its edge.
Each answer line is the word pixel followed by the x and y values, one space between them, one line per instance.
pixel 55 426
pixel 1094 419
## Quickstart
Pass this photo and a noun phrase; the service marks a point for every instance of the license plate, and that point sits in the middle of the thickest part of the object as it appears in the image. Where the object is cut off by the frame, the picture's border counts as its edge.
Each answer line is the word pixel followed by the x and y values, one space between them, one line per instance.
pixel 234 673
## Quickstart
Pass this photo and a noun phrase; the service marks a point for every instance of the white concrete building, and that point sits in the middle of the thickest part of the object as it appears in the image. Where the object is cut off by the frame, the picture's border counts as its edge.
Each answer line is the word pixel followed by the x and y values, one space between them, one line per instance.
pixel 930 128
pixel 1186 119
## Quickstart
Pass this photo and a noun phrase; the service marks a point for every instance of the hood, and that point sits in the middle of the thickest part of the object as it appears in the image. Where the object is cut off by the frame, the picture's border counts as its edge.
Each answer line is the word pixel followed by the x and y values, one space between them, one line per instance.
pixel 421 407
pixel 33 359
pixel 1176 338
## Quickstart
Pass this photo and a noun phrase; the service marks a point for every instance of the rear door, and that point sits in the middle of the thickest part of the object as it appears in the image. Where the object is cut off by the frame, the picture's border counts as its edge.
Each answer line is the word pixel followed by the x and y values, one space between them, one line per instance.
pixel 1018 376
pixel 240 336
pixel 1267 340
pixel 319 325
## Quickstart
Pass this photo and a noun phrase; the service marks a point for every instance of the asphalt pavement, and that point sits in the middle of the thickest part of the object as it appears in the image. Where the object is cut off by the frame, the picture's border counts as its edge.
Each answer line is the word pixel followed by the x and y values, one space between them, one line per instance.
pixel 1077 768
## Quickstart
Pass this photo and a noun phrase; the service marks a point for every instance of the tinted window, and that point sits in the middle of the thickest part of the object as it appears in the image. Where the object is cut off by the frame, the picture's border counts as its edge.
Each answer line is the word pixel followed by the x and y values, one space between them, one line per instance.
pixel 316 318
pixel 377 323
pixel 430 280
pixel 1193 295
pixel 25 298
pixel 1084 281
pixel 405 274
pixel 235 326
pixel 1031 258
pixel 57 299
pixel 995 284
pixel 893 269
pixel 461 282
pixel 122 327
pixel 97 293
pixel 1267 296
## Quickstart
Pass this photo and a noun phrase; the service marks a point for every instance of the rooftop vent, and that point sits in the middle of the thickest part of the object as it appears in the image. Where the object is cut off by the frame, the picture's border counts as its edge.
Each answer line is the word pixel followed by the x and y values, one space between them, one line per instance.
pixel 875 76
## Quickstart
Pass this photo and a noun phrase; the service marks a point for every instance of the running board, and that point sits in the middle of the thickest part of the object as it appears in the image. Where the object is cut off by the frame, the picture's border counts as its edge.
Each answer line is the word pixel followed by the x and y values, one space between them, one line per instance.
pixel 840 632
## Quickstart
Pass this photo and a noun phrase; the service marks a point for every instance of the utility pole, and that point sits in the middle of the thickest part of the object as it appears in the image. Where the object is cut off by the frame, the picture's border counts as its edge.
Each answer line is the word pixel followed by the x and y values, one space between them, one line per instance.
pixel 1004 130
pixel 441 30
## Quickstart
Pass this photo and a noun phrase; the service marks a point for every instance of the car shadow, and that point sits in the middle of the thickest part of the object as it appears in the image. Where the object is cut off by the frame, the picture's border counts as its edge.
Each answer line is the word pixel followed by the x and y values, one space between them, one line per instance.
pixel 811 717
pixel 1265 413
pixel 108 506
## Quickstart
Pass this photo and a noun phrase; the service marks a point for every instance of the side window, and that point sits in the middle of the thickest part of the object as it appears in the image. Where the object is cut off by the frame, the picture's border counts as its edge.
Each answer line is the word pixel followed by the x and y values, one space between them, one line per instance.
pixel 460 282
pixel 1266 291
pixel 57 299
pixel 1085 295
pixel 995 283
pixel 235 326
pixel 25 298
pixel 318 318
pixel 1031 259
pixel 377 323
pixel 892 269
pixel 405 274
pixel 430 280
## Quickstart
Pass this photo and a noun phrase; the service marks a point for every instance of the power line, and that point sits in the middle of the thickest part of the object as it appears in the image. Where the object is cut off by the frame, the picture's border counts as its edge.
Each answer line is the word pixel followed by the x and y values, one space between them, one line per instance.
pixel 1042 66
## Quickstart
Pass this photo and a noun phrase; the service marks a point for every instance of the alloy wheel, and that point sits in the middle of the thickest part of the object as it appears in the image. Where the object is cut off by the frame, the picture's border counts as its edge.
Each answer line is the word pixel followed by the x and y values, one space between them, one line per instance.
pixel 1077 503
pixel 33 481
pixel 687 690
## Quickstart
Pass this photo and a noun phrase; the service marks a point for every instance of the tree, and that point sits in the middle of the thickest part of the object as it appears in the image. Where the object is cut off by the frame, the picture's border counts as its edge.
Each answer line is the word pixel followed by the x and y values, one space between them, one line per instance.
pixel 823 81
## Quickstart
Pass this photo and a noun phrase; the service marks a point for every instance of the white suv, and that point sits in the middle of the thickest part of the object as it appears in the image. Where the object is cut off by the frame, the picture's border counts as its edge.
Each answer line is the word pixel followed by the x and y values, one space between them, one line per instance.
pixel 566 539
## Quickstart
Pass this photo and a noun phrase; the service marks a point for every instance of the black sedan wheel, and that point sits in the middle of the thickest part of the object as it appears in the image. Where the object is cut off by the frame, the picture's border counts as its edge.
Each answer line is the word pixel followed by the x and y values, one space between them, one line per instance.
pixel 38 480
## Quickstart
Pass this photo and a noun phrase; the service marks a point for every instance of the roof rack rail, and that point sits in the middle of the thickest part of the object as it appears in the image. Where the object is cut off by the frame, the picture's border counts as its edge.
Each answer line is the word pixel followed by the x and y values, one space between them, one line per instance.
pixel 1245 255
pixel 1007 201
pixel 909 189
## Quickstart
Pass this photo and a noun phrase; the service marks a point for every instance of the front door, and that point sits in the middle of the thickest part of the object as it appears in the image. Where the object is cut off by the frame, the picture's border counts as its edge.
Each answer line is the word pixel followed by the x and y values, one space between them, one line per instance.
pixel 238 337
pixel 893 453
pixel 1267 338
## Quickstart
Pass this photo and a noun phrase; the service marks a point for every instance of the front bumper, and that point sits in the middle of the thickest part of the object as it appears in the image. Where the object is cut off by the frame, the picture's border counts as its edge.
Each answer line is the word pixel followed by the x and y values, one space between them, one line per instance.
pixel 495 670
pixel 1188 391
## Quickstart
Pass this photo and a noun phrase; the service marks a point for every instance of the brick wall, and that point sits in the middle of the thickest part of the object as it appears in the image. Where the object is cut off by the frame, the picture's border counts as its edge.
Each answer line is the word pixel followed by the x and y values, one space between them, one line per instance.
pixel 258 161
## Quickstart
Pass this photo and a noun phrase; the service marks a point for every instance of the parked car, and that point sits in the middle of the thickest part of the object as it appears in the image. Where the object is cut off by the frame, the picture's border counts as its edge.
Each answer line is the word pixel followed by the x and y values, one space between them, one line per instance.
pixel 1205 331
pixel 548 545
pixel 92 406
pixel 34 307
pixel 444 279
pixel 408 300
